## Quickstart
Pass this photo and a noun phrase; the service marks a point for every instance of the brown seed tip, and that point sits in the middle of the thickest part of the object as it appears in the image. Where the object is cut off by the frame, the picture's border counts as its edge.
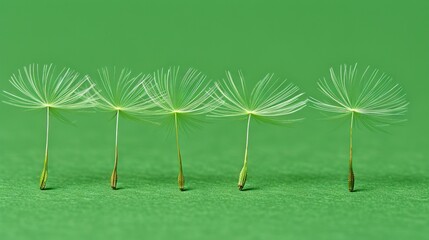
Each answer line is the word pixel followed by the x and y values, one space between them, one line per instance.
pixel 43 179
pixel 181 181
pixel 351 181
pixel 351 186
pixel 114 180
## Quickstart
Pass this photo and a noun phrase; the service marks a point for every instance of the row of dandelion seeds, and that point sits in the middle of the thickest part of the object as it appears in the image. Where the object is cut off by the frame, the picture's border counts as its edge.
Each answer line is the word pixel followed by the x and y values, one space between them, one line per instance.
pixel 368 97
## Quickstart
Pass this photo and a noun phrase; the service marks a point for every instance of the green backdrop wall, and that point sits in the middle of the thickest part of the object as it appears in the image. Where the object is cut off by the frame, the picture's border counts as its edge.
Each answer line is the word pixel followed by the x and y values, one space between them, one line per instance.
pixel 297 182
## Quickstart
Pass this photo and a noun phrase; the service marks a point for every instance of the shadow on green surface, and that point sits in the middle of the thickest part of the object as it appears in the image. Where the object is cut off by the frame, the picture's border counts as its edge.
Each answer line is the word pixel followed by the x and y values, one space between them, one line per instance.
pixel 360 190
pixel 250 189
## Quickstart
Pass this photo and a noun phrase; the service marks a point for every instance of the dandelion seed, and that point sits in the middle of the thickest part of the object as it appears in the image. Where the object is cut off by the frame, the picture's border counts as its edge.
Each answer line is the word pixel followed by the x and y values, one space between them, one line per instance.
pixel 371 99
pixel 122 93
pixel 45 88
pixel 271 100
pixel 181 96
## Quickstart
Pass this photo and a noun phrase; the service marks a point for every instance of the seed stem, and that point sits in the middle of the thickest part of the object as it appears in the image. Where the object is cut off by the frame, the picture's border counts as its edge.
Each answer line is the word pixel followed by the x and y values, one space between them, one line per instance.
pixel 44 176
pixel 351 178
pixel 180 178
pixel 243 172
pixel 114 177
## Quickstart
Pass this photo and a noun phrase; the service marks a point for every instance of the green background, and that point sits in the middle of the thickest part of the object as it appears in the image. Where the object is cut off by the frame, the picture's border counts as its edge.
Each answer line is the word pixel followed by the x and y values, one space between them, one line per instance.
pixel 297 183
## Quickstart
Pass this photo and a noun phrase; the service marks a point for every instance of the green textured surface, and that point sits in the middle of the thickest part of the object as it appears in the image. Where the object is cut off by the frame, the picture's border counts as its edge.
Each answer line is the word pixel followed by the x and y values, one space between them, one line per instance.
pixel 297 182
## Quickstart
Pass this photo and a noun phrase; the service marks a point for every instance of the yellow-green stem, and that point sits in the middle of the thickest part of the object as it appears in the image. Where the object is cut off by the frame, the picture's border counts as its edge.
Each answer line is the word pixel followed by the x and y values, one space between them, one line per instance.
pixel 351 178
pixel 243 173
pixel 114 177
pixel 180 177
pixel 44 176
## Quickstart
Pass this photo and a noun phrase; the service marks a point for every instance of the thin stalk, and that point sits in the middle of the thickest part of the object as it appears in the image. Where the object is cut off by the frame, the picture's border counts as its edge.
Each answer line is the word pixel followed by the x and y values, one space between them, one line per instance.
pixel 114 177
pixel 44 176
pixel 180 178
pixel 351 178
pixel 243 173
